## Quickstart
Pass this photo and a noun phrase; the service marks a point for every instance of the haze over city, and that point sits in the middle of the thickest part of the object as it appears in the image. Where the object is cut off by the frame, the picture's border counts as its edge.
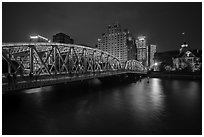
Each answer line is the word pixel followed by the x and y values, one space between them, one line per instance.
pixel 162 23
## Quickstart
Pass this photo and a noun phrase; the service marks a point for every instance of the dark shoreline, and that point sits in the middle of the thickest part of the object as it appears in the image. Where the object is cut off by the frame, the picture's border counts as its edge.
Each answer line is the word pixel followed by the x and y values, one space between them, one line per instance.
pixel 177 75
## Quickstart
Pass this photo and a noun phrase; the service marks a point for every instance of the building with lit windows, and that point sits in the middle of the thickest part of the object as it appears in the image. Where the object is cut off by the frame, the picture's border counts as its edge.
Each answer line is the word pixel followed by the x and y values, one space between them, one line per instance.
pixel 188 59
pixel 62 38
pixel 115 41
pixel 38 38
pixel 132 51
pixel 141 44
pixel 151 50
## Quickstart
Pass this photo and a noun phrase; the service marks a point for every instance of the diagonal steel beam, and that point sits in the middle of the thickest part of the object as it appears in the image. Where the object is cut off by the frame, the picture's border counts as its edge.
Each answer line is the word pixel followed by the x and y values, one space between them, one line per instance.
pixel 46 59
pixel 43 63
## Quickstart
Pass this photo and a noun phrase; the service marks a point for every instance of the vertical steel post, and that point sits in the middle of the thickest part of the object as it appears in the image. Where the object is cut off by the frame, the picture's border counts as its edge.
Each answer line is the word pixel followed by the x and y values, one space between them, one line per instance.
pixel 9 66
pixel 59 63
pixel 31 59
pixel 108 63
pixel 55 60
pixel 93 59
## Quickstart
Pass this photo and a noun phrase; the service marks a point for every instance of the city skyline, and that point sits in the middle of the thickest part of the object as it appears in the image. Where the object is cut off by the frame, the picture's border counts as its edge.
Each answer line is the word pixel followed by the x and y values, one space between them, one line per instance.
pixel 162 23
pixel 102 68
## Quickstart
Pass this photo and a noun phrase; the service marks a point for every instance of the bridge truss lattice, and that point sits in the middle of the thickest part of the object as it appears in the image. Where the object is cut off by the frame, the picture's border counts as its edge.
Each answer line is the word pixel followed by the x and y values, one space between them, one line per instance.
pixel 57 58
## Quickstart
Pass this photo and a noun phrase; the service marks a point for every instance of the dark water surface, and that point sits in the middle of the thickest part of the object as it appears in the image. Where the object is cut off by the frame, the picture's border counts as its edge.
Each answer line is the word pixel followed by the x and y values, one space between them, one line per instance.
pixel 162 106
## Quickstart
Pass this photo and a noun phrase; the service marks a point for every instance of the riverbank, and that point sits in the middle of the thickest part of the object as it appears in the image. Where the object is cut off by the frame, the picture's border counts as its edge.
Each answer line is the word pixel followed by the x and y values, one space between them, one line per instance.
pixel 178 75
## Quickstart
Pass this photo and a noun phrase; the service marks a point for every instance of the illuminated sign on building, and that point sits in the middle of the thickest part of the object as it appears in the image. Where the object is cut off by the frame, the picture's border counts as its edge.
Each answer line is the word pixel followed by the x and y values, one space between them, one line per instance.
pixel 38 38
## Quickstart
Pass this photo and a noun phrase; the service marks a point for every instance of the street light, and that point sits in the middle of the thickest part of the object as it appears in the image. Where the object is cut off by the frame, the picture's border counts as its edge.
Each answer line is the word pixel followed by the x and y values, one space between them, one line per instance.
pixel 155 66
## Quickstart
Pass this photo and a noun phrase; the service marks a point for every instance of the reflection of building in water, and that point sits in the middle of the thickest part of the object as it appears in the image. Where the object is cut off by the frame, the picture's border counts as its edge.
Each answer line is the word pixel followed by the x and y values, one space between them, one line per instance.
pixel 188 59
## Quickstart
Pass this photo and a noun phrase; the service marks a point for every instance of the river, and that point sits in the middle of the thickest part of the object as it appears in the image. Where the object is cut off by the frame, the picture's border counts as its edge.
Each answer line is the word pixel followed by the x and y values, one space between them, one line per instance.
pixel 162 106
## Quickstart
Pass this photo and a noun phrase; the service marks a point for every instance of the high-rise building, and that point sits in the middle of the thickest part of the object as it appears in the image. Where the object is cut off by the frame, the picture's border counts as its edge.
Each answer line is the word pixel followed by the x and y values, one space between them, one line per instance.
pixel 62 38
pixel 131 48
pixel 142 54
pixel 151 51
pixel 38 38
pixel 115 41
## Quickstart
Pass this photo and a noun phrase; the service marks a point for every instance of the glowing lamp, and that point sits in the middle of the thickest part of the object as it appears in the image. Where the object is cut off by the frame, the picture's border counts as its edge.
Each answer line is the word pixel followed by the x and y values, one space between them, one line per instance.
pixel 184 45
pixel 33 37
pixel 156 64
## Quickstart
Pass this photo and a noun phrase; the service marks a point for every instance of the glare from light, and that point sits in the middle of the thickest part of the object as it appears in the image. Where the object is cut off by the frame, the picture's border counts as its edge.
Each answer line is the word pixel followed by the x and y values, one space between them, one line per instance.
pixel 156 64
pixel 33 37
pixel 141 37
pixel 184 45
pixel 38 36
pixel 42 37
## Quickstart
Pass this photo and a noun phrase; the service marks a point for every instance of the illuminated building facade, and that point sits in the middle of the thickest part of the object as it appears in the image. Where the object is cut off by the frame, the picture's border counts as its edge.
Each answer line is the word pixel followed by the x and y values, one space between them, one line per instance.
pixel 117 42
pixel 142 51
pixel 62 38
pixel 38 38
pixel 132 54
pixel 188 59
pixel 150 56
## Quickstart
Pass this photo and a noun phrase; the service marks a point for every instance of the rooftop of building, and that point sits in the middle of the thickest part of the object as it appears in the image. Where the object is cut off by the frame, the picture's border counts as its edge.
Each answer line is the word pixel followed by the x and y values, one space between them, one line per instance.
pixel 195 52
pixel 61 34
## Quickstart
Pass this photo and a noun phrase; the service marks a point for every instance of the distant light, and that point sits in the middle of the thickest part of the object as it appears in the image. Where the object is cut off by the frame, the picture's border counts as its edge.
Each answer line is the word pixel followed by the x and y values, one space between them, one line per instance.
pixel 188 53
pixel 33 37
pixel 156 64
pixel 42 37
pixel 184 45
pixel 38 36
pixel 141 37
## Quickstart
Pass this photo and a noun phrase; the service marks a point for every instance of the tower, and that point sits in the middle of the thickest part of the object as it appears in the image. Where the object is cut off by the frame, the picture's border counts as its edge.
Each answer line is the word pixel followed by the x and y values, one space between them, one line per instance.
pixel 151 51
pixel 117 42
pixel 142 54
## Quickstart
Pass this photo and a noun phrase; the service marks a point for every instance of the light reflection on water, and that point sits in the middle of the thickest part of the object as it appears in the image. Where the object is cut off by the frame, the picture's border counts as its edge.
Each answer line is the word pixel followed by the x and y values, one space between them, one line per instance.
pixel 158 107
pixel 146 103
pixel 36 90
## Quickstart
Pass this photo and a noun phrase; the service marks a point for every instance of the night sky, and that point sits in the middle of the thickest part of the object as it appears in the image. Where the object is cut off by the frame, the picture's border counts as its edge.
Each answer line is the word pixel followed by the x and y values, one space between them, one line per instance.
pixel 162 23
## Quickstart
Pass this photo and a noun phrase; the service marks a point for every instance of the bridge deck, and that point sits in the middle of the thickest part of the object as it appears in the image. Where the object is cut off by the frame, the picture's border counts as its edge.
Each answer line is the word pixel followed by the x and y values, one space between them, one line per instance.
pixel 47 80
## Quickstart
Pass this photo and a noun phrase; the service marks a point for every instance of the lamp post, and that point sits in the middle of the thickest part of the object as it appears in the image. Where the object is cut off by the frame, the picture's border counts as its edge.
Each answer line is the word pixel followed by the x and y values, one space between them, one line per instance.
pixel 155 66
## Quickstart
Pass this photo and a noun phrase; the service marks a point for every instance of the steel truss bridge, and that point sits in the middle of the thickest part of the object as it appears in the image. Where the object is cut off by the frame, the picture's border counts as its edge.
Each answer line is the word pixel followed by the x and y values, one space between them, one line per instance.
pixel 37 64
